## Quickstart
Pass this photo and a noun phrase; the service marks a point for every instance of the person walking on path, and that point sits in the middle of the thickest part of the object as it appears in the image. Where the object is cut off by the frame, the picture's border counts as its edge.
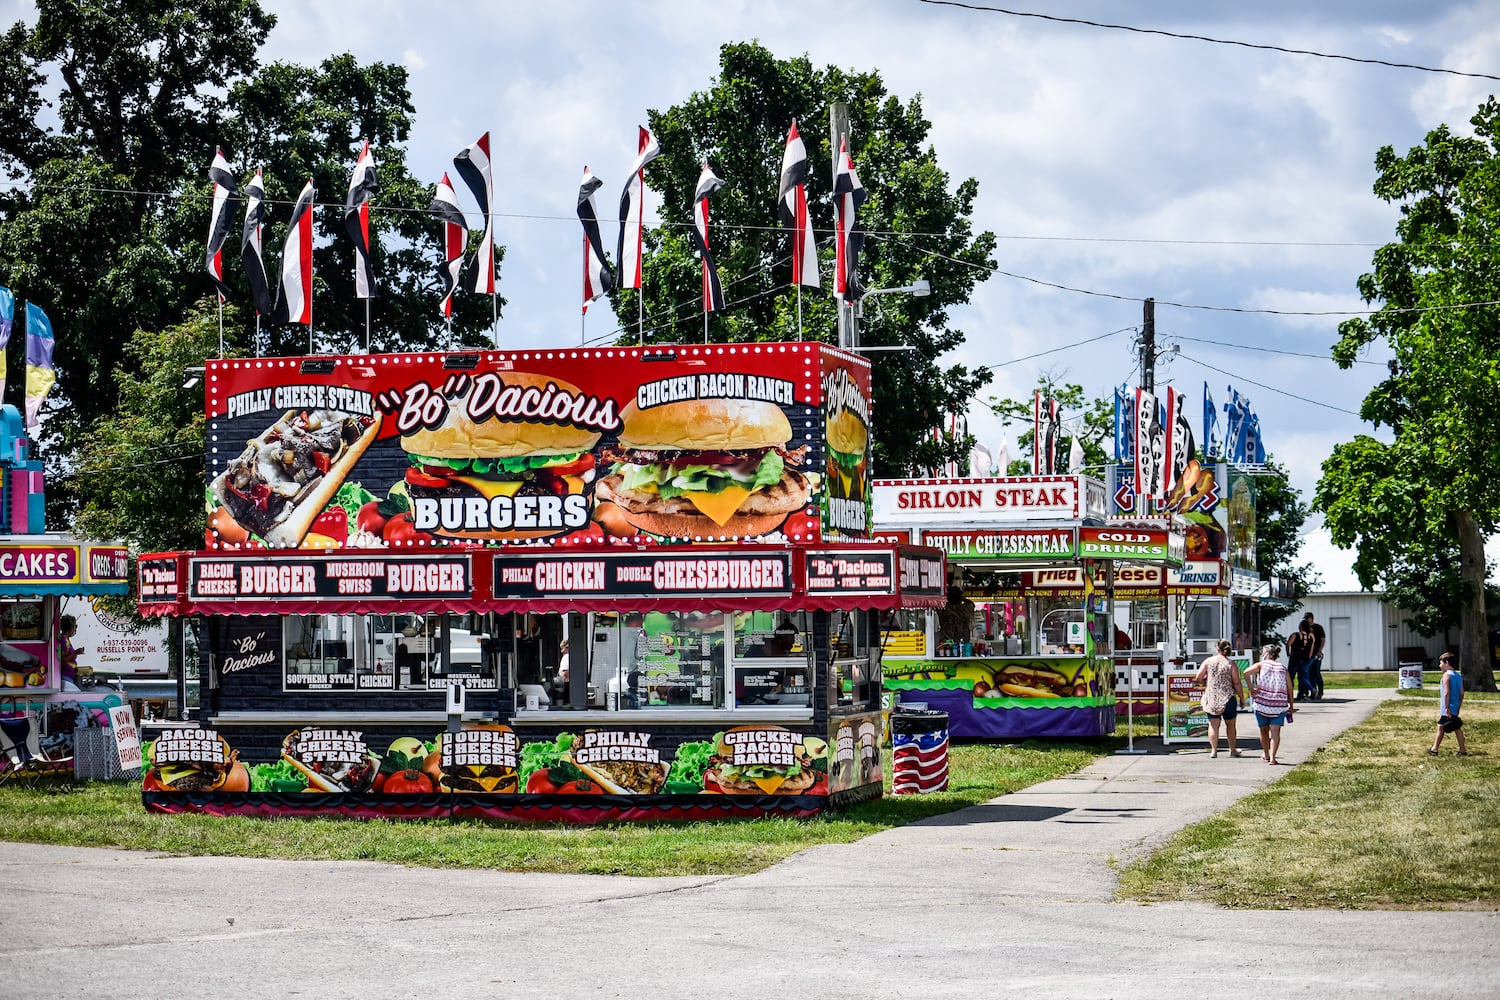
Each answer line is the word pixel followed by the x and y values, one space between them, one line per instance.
pixel 1298 654
pixel 1271 690
pixel 1315 656
pixel 1222 697
pixel 1450 700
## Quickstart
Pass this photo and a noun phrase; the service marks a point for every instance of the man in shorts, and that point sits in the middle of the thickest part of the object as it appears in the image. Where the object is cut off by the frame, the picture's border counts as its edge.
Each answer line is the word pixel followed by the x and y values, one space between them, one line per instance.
pixel 1450 700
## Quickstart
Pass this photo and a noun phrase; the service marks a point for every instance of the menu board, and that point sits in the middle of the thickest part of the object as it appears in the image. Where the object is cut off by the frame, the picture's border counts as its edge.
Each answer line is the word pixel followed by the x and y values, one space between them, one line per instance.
pixel 685 445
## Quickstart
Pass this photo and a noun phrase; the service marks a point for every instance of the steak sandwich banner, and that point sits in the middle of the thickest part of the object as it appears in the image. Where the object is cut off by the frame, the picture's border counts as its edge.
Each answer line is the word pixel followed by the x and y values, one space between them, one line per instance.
pixel 689 444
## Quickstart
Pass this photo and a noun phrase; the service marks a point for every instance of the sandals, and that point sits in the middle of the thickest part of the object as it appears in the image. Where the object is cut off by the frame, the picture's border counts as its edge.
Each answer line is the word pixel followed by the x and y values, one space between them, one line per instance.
pixel 1432 753
pixel 1235 753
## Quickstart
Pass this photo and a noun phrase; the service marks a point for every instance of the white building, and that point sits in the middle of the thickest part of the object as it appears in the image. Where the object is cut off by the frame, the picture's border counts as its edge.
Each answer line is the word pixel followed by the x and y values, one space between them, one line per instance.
pixel 1364 632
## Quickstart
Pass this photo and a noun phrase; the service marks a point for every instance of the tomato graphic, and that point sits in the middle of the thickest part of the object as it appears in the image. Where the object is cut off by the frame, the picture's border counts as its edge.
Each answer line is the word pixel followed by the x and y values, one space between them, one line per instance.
pixel 580 787
pixel 370 519
pixel 408 782
pixel 400 531
pixel 540 782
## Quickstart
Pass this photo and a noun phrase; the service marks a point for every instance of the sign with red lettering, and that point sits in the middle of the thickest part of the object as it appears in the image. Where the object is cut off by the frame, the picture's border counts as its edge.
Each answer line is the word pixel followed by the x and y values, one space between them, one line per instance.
pixel 311 578
pixel 900 502
pixel 570 576
pixel 156 577
pixel 690 444
pixel 851 571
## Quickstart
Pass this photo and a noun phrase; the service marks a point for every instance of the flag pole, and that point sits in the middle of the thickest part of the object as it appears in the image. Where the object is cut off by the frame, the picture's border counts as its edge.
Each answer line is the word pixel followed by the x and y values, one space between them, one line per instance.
pixel 367 326
pixel 312 207
pixel 221 325
pixel 799 301
pixel 640 312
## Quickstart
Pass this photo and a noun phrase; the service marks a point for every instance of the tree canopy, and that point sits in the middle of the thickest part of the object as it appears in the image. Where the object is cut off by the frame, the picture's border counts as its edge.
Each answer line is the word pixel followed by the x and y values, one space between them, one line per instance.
pixel 109 115
pixel 1430 492
pixel 917 228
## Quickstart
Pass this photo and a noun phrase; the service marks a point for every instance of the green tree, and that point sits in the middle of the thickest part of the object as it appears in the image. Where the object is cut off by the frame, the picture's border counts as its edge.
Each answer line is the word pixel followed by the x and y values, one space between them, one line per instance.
pixel 140 473
pixel 1098 422
pixel 917 228
pixel 1430 489
pixel 106 229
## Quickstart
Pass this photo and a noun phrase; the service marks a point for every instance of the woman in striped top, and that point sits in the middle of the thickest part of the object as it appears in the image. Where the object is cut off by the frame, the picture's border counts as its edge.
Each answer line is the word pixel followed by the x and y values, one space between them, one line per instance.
pixel 1271 690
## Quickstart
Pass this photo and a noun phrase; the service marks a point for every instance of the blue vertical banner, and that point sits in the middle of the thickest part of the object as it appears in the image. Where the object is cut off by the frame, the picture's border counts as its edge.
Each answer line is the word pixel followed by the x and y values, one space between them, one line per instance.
pixel 7 323
pixel 1213 447
pixel 1124 426
pixel 39 372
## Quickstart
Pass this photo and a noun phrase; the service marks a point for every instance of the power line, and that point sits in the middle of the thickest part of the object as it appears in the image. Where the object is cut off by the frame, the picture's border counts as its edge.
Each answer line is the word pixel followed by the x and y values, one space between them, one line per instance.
pixel 1269 350
pixel 1205 38
pixel 1055 350
pixel 1272 388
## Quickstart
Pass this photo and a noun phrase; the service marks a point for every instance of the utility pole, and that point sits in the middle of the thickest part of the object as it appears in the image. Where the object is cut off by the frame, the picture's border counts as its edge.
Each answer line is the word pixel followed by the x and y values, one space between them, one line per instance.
pixel 1148 345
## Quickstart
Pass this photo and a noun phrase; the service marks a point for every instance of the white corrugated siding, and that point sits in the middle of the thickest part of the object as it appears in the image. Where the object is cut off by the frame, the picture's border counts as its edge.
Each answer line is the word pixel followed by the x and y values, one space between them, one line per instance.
pixel 1373 640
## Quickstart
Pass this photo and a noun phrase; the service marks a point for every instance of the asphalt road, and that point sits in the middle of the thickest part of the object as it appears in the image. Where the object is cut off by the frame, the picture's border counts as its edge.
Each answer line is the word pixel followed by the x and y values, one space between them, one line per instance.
pixel 1010 898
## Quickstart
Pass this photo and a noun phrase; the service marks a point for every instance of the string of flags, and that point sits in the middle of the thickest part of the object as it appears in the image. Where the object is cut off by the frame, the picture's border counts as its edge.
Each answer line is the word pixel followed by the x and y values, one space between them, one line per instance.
pixel 292 301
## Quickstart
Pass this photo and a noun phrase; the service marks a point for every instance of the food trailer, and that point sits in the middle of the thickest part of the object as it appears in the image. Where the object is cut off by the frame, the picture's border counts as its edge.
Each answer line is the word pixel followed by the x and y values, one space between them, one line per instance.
pixel 574 585
pixel 1025 644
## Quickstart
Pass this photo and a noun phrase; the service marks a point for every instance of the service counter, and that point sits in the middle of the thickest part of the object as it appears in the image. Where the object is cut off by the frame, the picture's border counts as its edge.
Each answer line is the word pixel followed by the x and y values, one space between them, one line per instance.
pixel 628 705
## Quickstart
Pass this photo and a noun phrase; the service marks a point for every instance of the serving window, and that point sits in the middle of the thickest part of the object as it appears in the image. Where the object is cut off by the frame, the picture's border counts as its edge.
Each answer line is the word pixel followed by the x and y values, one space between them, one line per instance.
pixel 384 652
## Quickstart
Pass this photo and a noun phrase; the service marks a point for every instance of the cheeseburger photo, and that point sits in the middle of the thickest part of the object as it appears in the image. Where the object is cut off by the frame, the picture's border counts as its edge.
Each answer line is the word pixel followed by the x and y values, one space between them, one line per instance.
pixel 705 468
pixel 501 478
pixel 207 764
pixel 848 445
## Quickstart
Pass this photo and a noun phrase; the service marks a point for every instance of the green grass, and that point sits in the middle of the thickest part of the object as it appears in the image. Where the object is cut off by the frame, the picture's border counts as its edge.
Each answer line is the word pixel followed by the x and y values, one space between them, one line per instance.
pixel 1375 679
pixel 1369 821
pixel 98 814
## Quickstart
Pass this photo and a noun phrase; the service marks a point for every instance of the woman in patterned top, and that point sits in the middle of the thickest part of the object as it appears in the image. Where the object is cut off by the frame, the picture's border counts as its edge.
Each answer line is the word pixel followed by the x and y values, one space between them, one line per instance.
pixel 1271 689
pixel 1222 697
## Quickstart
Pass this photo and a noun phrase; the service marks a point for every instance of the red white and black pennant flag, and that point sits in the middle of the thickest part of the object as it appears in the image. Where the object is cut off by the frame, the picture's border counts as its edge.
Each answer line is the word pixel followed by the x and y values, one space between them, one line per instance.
pixel 455 232
pixel 363 186
pixel 250 245
pixel 473 165
pixel 225 203
pixel 628 253
pixel 791 205
pixel 713 292
pixel 849 238
pixel 294 298
pixel 598 278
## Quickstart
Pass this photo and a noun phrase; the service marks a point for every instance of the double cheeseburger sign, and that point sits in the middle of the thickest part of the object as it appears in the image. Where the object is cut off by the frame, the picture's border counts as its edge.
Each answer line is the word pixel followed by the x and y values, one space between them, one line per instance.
pixel 685 444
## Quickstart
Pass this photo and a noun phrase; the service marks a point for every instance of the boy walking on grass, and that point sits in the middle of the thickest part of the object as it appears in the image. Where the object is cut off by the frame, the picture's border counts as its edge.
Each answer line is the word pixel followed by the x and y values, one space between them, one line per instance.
pixel 1450 700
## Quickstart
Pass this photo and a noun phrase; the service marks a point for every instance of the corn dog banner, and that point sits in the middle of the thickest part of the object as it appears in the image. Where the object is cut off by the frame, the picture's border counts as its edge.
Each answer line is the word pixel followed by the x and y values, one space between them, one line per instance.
pixel 487 771
pixel 678 445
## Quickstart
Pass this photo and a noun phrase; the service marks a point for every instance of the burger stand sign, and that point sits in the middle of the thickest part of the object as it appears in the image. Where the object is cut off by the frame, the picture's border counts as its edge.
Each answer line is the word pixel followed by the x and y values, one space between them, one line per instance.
pixel 605 479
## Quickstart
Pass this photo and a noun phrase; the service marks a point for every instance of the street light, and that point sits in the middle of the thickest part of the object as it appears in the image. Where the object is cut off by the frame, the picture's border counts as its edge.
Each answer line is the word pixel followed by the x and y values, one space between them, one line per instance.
pixel 920 288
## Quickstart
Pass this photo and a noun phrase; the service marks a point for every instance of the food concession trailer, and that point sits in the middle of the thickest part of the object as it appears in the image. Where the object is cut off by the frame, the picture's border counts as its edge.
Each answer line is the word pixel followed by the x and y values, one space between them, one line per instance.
pixel 574 585
pixel 1026 644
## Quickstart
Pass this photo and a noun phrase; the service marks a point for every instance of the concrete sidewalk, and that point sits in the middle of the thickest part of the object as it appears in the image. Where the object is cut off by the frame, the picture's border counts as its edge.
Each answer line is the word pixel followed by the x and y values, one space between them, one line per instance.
pixel 1112 812
pixel 1010 898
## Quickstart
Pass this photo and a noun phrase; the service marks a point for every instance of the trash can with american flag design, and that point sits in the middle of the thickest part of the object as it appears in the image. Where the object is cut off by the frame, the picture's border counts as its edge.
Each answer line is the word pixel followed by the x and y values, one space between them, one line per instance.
pixel 919 750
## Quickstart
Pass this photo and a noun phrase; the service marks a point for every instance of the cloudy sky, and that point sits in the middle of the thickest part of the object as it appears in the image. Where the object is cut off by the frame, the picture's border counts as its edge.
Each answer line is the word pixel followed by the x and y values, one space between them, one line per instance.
pixel 1123 164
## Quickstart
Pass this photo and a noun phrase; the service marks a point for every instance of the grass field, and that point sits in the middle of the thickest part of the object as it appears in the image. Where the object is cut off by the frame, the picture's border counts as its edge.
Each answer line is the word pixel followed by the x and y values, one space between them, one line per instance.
pixel 1369 821
pixel 98 814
